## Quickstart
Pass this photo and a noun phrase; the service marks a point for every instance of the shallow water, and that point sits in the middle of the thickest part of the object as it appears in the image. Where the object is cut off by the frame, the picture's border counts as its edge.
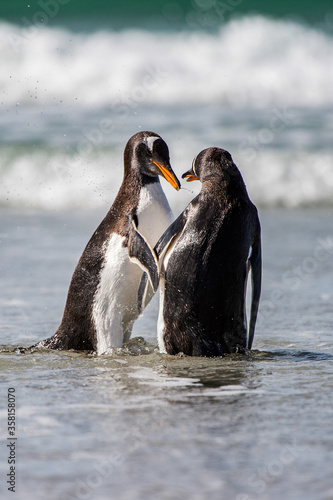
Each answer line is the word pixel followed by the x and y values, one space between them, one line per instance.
pixel 139 425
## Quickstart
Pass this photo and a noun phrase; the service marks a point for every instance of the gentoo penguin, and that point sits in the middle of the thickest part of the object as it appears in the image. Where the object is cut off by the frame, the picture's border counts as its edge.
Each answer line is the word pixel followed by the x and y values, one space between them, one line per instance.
pixel 101 304
pixel 205 257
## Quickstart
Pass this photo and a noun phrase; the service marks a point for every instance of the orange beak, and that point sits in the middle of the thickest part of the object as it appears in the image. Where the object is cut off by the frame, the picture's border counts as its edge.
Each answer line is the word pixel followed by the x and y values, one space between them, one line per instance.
pixel 169 176
pixel 190 177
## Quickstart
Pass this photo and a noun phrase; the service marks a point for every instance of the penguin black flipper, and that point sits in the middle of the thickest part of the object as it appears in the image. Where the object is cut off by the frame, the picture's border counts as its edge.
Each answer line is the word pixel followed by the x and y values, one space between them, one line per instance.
pixel 142 292
pixel 141 253
pixel 169 234
pixel 161 247
pixel 255 262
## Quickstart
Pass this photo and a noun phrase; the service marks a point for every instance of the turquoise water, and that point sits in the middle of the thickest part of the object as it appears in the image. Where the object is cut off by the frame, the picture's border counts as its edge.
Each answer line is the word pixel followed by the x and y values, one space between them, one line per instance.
pixel 190 13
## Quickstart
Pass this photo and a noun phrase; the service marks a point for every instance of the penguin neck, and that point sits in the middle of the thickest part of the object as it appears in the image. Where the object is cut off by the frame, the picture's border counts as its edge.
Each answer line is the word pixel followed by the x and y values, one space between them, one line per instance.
pixel 147 180
pixel 213 184
pixel 129 193
pixel 135 181
pixel 219 191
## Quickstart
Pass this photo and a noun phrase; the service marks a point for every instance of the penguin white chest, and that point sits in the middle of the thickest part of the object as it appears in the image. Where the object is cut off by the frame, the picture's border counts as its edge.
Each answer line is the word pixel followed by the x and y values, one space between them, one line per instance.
pixel 115 306
pixel 154 212
pixel 115 302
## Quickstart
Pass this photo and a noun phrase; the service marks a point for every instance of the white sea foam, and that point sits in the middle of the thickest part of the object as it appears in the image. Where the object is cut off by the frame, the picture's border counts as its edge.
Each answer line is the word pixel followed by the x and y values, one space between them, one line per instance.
pixel 253 60
pixel 273 179
pixel 260 88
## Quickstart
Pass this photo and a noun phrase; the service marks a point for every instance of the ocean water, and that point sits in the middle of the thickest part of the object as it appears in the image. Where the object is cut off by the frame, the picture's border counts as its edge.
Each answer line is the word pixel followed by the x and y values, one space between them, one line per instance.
pixel 140 425
pixel 75 85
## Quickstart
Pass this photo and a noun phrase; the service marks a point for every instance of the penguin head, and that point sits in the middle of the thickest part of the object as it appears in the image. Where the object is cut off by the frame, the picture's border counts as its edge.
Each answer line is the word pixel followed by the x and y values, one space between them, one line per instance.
pixel 148 155
pixel 213 163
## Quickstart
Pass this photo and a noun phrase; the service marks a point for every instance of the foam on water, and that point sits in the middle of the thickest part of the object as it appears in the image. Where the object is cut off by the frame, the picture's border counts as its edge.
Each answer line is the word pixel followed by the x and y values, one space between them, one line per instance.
pixel 288 63
pixel 55 181
pixel 260 88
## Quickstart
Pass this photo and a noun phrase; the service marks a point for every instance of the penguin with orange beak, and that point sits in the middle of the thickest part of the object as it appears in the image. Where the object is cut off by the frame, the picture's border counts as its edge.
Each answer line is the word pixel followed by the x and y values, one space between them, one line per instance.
pixel 101 304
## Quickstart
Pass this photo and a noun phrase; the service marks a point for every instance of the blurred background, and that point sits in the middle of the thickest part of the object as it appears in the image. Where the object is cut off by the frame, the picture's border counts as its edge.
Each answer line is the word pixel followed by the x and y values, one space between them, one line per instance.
pixel 79 77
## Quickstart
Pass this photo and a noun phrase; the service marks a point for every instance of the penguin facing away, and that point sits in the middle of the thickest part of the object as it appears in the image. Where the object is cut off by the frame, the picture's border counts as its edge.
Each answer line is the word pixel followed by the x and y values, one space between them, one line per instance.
pixel 101 304
pixel 205 257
